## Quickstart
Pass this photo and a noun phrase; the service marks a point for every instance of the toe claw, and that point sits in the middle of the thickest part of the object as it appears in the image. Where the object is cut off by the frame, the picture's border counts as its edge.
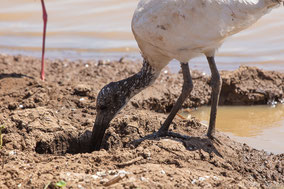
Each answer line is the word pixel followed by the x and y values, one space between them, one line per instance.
pixel 213 138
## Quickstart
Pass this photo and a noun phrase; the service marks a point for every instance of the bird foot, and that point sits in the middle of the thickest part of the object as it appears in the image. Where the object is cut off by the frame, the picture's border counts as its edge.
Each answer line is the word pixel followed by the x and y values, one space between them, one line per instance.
pixel 172 134
pixel 214 139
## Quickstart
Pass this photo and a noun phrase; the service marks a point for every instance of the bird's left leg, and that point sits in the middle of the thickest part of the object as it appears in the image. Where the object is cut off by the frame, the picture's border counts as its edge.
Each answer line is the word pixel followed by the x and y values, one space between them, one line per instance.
pixel 44 15
pixel 216 82
pixel 186 89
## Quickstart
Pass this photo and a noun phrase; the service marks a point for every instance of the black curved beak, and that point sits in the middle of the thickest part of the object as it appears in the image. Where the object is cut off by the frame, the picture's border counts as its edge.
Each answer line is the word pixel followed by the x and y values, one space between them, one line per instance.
pixel 101 124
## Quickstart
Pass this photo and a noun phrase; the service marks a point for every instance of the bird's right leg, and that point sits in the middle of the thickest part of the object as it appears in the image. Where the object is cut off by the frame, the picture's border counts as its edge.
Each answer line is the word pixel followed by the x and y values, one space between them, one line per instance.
pixel 44 15
pixel 216 82
pixel 186 89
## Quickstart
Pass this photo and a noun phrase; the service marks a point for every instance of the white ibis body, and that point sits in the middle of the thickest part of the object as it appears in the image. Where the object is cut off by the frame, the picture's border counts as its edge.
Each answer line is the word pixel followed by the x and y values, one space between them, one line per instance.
pixel 181 30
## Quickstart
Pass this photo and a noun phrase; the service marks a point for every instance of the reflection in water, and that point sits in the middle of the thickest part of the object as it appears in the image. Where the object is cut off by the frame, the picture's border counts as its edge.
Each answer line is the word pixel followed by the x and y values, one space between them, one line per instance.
pixel 259 126
pixel 78 28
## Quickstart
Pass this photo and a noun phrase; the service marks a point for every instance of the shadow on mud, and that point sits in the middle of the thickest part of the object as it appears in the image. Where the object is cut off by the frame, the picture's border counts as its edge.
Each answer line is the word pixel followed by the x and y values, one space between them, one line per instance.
pixel 190 143
pixel 13 75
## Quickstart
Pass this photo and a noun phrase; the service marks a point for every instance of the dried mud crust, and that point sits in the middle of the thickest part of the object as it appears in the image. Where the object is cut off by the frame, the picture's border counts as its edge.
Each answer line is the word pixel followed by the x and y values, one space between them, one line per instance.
pixel 48 123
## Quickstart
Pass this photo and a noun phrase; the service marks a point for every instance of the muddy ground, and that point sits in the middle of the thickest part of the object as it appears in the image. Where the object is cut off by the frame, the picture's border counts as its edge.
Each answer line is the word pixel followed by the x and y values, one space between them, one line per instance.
pixel 47 123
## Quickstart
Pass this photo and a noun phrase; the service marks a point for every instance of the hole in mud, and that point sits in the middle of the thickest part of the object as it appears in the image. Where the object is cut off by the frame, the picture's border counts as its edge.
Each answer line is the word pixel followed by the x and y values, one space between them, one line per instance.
pixel 63 144
pixel 42 148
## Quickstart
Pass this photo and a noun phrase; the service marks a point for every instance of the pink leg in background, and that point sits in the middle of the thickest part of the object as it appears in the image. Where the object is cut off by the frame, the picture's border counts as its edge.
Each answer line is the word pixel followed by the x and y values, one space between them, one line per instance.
pixel 42 76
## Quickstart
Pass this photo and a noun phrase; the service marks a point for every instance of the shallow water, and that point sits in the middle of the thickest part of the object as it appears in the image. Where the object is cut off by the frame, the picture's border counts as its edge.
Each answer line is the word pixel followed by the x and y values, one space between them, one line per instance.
pixel 100 29
pixel 96 29
pixel 261 127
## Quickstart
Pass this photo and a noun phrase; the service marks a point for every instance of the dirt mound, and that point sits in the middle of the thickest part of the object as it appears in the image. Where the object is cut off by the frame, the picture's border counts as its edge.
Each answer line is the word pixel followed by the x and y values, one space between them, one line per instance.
pixel 250 85
pixel 47 127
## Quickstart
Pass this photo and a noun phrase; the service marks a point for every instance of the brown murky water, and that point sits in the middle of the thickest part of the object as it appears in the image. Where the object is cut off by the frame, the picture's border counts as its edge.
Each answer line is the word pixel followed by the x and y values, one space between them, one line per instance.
pixel 92 29
pixel 259 126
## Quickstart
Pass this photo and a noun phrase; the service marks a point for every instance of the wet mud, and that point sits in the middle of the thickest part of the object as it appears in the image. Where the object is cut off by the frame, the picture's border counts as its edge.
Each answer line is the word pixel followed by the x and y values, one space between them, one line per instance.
pixel 47 127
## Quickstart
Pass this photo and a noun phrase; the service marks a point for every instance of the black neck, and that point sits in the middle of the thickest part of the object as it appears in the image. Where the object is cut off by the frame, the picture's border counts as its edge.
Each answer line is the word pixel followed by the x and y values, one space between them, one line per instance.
pixel 114 96
pixel 136 83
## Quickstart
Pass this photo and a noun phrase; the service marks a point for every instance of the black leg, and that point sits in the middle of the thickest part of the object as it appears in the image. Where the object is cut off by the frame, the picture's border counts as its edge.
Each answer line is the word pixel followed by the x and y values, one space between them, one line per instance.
pixel 186 89
pixel 216 83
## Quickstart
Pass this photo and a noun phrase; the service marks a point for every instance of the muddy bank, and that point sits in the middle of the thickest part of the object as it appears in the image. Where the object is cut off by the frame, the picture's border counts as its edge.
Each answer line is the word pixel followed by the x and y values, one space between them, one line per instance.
pixel 43 122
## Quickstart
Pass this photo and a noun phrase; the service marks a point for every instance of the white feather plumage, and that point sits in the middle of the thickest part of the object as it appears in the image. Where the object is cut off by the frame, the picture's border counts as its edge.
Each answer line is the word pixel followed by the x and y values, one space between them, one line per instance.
pixel 184 29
